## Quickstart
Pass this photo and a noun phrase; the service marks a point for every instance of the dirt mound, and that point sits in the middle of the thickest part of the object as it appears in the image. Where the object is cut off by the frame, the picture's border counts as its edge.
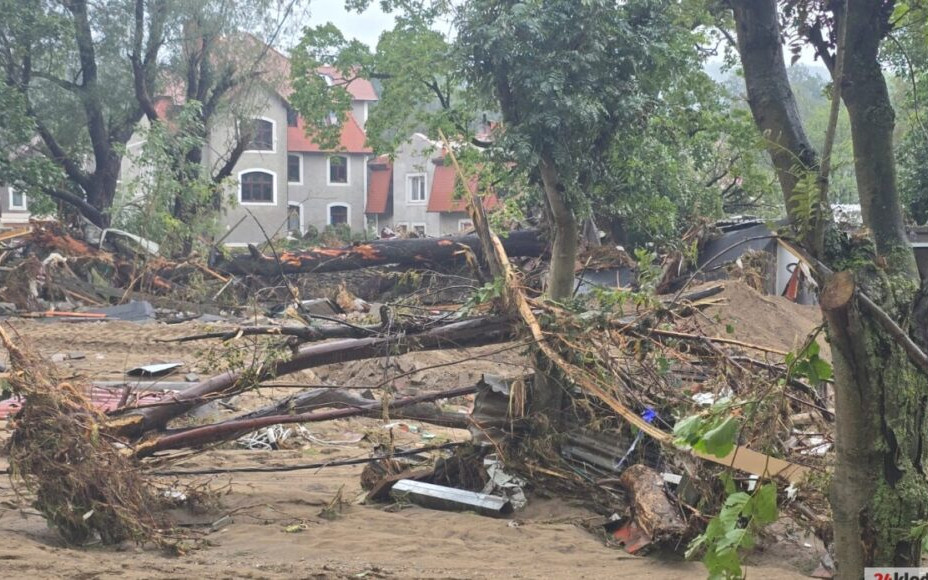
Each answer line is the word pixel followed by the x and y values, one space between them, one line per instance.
pixel 749 316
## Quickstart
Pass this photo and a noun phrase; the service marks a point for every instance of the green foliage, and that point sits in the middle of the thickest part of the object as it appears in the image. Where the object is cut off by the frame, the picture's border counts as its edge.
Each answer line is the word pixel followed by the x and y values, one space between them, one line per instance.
pixel 649 272
pixel 147 202
pixel 919 532
pixel 485 294
pixel 807 363
pixel 713 433
pixel 733 529
pixel 913 174
pixel 805 199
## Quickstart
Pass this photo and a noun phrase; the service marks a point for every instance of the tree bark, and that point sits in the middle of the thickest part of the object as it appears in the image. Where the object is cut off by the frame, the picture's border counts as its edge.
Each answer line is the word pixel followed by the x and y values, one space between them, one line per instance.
pixel 772 101
pixel 547 393
pixel 230 429
pixel 872 124
pixel 564 246
pixel 314 399
pixel 879 491
pixel 653 512
pixel 411 252
pixel 473 332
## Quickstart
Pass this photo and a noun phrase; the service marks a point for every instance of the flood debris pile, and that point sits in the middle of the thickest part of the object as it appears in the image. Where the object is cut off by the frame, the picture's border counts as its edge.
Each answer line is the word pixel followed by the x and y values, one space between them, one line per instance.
pixel 47 270
pixel 62 454
pixel 657 396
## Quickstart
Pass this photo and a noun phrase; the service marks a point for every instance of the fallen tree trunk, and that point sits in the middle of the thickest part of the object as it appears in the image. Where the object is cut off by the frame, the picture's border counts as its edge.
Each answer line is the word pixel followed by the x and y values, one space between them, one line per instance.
pixel 226 430
pixel 411 252
pixel 473 332
pixel 313 399
pixel 303 333
pixel 653 512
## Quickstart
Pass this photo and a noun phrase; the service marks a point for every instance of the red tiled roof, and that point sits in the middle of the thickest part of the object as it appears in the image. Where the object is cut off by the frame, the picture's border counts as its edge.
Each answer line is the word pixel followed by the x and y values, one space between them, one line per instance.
pixel 442 197
pixel 379 187
pixel 360 89
pixel 353 139
pixel 163 105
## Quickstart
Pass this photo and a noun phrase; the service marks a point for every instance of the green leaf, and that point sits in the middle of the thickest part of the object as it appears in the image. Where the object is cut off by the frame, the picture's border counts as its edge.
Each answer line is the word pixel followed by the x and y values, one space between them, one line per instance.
pixel 821 368
pixel 663 365
pixel 688 429
pixel 811 350
pixel 723 565
pixel 732 510
pixel 734 539
pixel 721 440
pixel 695 545
pixel 729 483
pixel 729 328
pixel 763 505
pixel 716 529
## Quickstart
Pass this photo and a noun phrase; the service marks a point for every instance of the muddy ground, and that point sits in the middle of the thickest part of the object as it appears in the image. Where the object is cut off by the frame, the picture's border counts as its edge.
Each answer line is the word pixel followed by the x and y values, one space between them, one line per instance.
pixel 276 529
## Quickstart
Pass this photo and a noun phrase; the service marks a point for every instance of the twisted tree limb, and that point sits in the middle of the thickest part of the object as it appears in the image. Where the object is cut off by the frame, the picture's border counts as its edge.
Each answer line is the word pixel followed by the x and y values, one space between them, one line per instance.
pixel 473 332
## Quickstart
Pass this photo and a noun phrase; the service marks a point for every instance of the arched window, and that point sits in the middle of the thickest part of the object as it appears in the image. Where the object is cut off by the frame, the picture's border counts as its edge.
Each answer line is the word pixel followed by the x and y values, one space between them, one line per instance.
pixel 257 186
pixel 339 213
pixel 262 135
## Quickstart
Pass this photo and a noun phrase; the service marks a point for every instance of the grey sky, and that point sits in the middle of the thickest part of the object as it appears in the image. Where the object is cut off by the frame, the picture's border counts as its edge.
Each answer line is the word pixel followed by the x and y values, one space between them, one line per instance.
pixel 366 27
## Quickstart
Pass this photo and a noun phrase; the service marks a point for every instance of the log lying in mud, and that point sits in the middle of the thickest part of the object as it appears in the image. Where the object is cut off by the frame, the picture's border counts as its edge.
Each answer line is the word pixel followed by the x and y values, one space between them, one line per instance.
pixel 411 252
pixel 227 430
pixel 653 512
pixel 473 332
pixel 313 399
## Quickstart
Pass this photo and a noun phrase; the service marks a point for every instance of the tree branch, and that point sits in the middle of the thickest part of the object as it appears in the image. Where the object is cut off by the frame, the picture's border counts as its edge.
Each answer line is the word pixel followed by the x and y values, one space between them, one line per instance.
pixel 89 211
pixel 60 82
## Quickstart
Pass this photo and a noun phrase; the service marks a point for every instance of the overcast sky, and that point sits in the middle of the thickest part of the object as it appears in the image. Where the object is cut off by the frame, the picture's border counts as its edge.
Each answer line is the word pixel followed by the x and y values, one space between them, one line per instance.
pixel 366 27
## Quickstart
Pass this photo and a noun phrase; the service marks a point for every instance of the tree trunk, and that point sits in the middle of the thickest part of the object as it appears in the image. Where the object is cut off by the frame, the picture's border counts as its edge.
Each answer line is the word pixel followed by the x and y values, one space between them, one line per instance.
pixel 314 399
pixel 772 102
pixel 872 124
pixel 547 393
pixel 474 332
pixel 198 436
pixel 879 491
pixel 653 512
pixel 412 252
pixel 564 246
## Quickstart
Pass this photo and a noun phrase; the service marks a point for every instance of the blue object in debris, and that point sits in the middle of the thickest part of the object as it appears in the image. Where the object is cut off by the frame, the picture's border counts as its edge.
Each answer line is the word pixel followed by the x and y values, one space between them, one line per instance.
pixel 649 415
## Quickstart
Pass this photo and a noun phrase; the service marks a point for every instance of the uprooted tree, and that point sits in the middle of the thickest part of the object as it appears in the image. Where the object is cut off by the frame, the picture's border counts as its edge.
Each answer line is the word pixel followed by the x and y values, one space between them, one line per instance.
pixel 560 112
pixel 879 489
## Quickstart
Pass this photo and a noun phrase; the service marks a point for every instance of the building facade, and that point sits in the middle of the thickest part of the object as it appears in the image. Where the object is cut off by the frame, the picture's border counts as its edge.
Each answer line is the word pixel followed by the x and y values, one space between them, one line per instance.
pixel 418 192
pixel 14 208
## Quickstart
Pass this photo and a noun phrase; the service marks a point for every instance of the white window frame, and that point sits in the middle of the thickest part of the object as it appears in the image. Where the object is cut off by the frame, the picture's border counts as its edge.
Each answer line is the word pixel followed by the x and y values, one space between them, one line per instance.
pixel 398 225
pixel 300 157
pixel 299 206
pixel 257 170
pixel 328 212
pixel 13 207
pixel 273 148
pixel 425 188
pixel 328 171
pixel 465 221
pixel 414 225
